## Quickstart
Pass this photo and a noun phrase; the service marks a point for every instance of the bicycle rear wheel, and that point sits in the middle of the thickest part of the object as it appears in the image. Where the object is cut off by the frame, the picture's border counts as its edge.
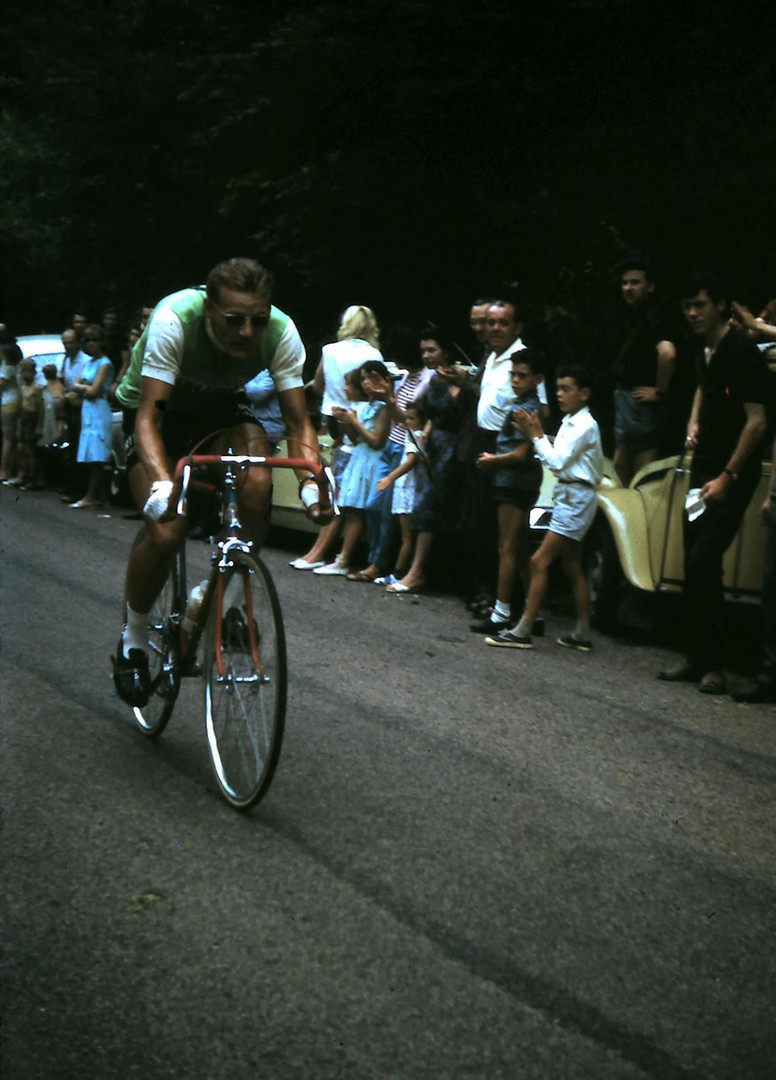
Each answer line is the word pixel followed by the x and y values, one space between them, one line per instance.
pixel 162 661
pixel 245 681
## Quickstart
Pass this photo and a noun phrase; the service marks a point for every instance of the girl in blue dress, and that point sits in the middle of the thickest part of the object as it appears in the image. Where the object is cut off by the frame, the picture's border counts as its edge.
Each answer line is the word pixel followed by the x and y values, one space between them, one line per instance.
pixel 96 418
pixel 367 425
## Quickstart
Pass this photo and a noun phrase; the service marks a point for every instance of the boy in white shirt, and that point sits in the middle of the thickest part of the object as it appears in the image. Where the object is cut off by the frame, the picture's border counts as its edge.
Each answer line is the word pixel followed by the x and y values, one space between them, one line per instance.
pixel 576 458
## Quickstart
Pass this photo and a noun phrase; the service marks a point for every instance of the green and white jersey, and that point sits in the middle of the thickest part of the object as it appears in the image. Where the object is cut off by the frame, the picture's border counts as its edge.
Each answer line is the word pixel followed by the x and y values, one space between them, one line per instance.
pixel 178 347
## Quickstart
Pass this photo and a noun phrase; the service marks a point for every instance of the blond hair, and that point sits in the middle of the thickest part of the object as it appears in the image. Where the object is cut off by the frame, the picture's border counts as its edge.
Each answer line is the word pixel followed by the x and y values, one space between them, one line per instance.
pixel 359 322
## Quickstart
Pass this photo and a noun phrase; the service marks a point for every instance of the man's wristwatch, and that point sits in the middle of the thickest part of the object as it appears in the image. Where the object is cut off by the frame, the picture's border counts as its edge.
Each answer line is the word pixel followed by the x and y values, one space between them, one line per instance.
pixel 729 473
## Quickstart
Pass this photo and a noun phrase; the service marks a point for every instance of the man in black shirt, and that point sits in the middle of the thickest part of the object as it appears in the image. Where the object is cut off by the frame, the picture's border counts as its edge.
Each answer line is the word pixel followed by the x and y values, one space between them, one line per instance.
pixel 643 365
pixel 725 430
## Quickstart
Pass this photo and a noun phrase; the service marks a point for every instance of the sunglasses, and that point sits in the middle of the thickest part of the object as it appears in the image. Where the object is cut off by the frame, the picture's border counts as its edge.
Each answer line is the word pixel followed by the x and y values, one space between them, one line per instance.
pixel 236 321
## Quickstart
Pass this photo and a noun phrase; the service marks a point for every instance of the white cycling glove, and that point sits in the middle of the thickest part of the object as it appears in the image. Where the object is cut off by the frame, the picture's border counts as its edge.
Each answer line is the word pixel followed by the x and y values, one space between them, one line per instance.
pixel 159 499
pixel 309 495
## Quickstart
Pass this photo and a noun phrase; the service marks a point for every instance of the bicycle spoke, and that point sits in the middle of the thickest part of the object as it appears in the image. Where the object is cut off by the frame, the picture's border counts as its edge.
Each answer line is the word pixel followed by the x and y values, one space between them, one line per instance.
pixel 245 708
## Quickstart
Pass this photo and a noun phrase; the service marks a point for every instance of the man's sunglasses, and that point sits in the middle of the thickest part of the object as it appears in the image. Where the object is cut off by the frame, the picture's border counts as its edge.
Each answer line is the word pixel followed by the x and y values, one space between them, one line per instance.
pixel 235 321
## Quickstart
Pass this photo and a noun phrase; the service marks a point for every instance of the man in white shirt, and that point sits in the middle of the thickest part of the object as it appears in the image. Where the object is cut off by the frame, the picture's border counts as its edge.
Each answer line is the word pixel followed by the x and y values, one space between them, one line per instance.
pixel 503 329
pixel 72 365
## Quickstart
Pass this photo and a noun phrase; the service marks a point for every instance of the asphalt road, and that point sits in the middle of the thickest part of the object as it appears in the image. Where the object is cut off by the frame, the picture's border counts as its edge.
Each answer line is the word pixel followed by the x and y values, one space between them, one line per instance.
pixel 472 862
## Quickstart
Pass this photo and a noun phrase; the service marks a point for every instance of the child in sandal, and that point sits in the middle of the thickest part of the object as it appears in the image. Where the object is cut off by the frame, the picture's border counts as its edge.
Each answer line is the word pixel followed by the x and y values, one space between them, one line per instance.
pixel 406 478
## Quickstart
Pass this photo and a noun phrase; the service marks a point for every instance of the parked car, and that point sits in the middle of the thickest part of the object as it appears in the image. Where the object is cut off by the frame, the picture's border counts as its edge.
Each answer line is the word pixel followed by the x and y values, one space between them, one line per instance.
pixel 637 540
pixel 43 349
pixel 287 509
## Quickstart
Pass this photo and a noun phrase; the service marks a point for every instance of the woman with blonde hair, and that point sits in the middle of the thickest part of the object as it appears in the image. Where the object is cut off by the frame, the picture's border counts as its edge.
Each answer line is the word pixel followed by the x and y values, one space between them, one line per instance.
pixel 357 342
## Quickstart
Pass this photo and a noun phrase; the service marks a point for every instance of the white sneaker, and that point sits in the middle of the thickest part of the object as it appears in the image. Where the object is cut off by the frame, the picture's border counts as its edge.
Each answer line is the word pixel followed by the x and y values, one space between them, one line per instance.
pixel 335 569
pixel 302 564
pixel 389 579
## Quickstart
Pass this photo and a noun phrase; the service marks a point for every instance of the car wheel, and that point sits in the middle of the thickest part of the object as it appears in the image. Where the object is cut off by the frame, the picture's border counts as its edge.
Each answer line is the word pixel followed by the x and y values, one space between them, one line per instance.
pixel 604 576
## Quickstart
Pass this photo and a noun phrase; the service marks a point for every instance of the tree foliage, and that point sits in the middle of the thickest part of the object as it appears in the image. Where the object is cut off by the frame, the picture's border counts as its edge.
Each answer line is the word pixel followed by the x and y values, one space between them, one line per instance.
pixel 401 153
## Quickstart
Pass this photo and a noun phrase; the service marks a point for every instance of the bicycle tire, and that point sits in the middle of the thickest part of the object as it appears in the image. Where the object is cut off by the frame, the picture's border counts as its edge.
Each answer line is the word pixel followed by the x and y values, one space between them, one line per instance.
pixel 163 664
pixel 245 702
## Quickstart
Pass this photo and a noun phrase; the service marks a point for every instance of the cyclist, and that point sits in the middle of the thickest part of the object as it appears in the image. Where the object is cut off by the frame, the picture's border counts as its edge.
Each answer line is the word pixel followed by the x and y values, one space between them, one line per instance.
pixel 185 380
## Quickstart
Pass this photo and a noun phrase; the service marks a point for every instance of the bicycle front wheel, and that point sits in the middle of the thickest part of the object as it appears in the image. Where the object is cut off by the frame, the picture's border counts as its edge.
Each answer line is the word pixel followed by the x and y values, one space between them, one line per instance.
pixel 162 662
pixel 245 681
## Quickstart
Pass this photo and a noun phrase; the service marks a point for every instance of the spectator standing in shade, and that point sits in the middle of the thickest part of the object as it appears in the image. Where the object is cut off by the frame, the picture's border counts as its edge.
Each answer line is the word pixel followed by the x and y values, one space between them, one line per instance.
pixel 72 366
pixel 725 431
pixel 516 476
pixel 478 323
pixel 358 340
pixel 576 458
pixel 504 329
pixel 403 351
pixel 94 443
pixel 643 367
pixel 437 509
pixel 10 400
pixel 763 686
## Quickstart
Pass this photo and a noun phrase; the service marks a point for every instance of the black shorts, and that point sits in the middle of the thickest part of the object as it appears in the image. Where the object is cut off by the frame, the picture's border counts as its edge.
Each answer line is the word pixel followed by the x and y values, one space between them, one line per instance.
pixel 182 431
pixel 514 496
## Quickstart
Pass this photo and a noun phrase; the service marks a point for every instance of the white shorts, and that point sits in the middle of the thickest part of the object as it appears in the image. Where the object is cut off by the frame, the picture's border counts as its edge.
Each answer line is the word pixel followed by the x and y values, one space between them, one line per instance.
pixel 573 510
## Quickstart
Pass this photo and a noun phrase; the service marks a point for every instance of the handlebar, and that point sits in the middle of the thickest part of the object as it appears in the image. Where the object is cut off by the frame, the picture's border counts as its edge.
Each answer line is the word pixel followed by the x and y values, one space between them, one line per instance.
pixel 321 474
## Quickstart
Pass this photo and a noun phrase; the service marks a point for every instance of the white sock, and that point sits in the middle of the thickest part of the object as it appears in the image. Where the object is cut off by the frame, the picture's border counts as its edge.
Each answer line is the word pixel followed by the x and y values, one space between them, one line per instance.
pixel 501 612
pixel 524 627
pixel 135 634
pixel 581 630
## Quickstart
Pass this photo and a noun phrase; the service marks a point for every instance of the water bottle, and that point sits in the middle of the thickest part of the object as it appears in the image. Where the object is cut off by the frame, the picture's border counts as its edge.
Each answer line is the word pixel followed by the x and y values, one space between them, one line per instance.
pixel 196 596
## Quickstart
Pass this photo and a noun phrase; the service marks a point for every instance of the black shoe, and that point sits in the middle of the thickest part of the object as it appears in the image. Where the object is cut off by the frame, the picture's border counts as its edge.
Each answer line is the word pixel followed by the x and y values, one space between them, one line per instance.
pixel 234 632
pixel 490 626
pixel 756 690
pixel 131 676
pixel 508 639
pixel 571 642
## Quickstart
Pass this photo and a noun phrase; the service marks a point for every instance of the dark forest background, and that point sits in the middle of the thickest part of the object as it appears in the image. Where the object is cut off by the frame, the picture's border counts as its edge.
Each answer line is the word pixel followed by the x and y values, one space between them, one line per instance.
pixel 406 155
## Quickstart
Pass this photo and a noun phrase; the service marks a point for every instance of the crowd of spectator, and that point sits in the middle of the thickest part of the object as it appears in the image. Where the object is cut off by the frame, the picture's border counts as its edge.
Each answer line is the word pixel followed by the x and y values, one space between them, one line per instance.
pixel 439 447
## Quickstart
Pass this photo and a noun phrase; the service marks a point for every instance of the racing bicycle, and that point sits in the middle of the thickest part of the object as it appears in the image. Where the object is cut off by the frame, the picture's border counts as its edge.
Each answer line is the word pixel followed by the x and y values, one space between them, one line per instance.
pixel 231 635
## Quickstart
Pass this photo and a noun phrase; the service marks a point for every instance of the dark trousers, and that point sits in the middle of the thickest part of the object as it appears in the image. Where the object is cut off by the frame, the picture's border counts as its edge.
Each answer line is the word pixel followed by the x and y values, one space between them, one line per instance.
pixel 705 542
pixel 480 523
pixel 769 599
pixel 73 479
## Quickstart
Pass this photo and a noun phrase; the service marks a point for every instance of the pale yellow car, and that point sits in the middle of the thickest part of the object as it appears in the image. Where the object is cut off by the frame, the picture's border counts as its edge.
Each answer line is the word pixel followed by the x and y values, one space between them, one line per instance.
pixel 637 539
pixel 287 509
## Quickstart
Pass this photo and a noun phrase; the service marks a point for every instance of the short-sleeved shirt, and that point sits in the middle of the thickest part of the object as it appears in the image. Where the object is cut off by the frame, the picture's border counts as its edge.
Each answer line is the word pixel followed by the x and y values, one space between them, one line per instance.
pixel 338 358
pixel 525 475
pixel 636 364
pixel 735 374
pixel 178 347
pixel 495 385
pixel 412 385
